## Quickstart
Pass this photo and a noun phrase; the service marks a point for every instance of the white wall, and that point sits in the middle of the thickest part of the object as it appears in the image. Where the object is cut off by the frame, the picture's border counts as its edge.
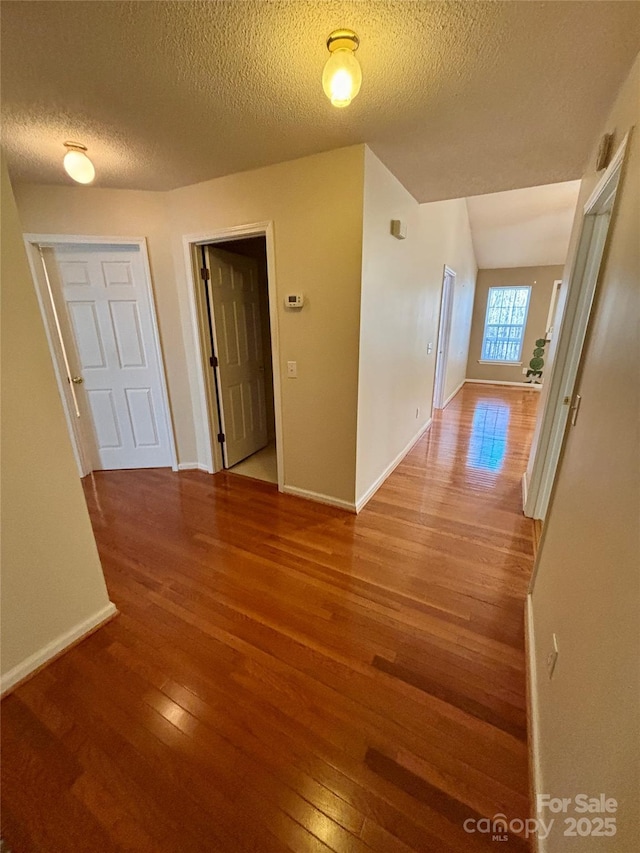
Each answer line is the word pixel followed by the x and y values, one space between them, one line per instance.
pixel 396 312
pixel 401 289
pixel 529 227
pixel 53 589
pixel 586 721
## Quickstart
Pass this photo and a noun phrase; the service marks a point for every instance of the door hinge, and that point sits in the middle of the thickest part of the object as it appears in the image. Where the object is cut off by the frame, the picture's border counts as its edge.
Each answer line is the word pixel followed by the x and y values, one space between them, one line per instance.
pixel 221 438
pixel 213 361
pixel 205 274
pixel 575 408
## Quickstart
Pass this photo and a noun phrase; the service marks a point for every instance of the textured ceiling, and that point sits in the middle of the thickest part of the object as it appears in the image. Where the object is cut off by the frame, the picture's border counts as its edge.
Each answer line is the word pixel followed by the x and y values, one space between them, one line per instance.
pixel 458 98
pixel 523 228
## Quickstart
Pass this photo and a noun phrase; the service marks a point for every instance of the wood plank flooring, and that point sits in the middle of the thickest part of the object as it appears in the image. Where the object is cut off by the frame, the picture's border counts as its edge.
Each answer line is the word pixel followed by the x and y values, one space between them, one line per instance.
pixel 286 676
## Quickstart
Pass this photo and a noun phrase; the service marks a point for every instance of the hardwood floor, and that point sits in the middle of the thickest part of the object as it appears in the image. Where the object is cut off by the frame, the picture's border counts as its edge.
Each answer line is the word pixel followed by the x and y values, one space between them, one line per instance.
pixel 286 676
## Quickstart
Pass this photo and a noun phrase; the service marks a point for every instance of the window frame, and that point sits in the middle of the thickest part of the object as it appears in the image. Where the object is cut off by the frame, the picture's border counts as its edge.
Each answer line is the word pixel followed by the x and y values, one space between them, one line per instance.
pixel 518 360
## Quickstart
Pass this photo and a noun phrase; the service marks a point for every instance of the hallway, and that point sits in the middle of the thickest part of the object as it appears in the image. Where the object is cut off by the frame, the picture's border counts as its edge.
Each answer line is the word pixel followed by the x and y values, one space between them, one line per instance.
pixel 286 676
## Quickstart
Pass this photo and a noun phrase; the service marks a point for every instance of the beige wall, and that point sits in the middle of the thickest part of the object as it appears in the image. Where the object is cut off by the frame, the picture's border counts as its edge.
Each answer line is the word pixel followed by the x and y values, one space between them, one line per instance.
pixel 540 279
pixel 586 590
pixel 316 208
pixel 446 239
pixel 52 581
pixel 125 213
pixel 401 289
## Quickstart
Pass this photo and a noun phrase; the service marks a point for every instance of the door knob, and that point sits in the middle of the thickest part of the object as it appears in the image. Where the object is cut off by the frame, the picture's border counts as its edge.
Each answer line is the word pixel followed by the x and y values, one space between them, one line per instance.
pixel 77 380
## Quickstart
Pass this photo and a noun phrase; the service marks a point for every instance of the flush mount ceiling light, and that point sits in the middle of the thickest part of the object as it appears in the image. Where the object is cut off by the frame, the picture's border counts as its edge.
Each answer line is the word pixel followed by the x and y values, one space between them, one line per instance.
pixel 76 163
pixel 342 76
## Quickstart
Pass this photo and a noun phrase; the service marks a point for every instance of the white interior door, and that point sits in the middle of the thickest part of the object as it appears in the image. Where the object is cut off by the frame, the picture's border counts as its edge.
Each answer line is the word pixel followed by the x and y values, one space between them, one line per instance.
pixel 104 306
pixel 235 302
pixel 444 335
pixel 566 345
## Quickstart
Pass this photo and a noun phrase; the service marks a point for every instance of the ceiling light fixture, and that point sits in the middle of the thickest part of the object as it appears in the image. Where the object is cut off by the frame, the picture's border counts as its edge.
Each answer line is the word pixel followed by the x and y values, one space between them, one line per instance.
pixel 342 75
pixel 76 163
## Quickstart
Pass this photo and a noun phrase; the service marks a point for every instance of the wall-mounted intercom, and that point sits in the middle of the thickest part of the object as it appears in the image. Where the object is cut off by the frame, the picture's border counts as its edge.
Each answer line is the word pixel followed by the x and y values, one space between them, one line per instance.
pixel 399 229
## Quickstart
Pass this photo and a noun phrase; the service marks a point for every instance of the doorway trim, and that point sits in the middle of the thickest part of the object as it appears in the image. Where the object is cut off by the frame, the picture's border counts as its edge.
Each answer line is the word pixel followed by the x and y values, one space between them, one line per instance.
pixel 553 307
pixel 33 243
pixel 583 277
pixel 444 337
pixel 191 242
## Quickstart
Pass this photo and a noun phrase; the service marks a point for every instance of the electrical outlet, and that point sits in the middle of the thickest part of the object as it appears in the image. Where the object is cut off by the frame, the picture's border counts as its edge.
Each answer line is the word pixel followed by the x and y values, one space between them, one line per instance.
pixel 524 371
pixel 552 657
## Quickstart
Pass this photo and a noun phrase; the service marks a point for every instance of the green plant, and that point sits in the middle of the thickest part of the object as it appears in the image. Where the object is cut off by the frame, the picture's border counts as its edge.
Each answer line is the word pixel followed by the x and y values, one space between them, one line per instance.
pixel 534 373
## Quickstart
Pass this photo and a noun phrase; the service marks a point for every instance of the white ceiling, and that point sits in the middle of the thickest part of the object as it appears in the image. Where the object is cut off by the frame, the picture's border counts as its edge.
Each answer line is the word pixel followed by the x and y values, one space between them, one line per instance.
pixel 523 228
pixel 458 98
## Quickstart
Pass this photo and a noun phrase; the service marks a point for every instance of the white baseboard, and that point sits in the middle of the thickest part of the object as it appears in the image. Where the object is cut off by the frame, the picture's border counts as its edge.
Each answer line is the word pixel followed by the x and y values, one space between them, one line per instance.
pixel 373 488
pixel 55 648
pixel 451 396
pixel 526 385
pixel 193 466
pixel 319 498
pixel 535 775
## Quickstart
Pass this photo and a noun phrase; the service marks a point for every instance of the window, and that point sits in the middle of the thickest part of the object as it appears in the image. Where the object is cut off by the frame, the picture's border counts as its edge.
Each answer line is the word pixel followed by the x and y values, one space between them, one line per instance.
pixel 505 323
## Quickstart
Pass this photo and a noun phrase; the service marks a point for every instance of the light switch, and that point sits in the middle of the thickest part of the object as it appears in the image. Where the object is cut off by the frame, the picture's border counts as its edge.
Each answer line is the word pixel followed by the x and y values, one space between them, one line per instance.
pixel 292 369
pixel 429 348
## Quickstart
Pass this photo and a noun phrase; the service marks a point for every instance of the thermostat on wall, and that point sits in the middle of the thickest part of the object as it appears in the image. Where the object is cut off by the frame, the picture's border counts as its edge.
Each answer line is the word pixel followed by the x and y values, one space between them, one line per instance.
pixel 294 300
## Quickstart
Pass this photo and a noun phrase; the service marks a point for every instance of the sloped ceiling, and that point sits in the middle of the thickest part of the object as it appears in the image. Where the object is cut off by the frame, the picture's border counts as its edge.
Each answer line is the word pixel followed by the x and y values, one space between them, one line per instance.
pixel 523 228
pixel 458 98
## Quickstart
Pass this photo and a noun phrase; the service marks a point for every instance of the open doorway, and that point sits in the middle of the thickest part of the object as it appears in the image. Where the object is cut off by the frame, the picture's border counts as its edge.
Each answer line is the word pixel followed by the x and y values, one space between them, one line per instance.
pixel 560 404
pixel 236 342
pixel 444 336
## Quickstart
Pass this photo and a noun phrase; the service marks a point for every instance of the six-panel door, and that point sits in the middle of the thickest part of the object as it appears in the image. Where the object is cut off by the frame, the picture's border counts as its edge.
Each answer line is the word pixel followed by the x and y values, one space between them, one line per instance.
pixel 104 307
pixel 237 331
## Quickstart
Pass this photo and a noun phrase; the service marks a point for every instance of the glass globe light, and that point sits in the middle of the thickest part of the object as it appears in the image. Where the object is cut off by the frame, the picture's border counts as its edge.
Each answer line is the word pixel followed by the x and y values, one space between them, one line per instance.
pixel 342 75
pixel 77 165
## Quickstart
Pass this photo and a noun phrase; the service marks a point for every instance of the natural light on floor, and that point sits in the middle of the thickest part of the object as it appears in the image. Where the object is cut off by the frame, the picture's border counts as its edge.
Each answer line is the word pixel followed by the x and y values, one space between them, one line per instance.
pixel 488 441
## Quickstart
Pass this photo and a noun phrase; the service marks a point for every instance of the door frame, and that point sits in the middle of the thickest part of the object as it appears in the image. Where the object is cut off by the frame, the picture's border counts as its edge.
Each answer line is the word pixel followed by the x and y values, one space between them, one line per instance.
pixel 553 308
pixel 568 343
pixel 444 336
pixel 191 243
pixel 33 243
